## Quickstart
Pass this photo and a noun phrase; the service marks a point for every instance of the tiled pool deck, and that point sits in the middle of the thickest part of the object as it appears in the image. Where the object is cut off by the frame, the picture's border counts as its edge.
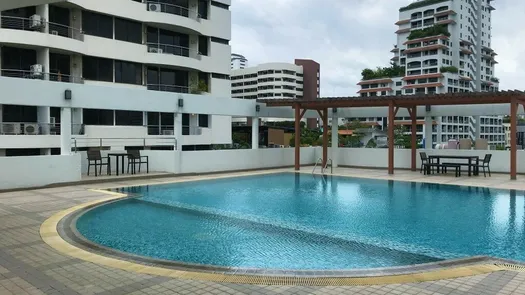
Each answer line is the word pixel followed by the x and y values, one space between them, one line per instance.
pixel 29 266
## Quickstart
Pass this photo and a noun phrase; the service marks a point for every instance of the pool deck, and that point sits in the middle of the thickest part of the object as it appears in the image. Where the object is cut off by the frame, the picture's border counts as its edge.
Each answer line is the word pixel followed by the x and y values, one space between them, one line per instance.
pixel 30 266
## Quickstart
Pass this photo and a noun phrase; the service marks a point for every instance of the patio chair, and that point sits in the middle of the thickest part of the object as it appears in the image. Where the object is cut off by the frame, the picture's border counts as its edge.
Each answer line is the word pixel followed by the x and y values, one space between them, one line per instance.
pixel 96 159
pixel 485 164
pixel 424 161
pixel 134 158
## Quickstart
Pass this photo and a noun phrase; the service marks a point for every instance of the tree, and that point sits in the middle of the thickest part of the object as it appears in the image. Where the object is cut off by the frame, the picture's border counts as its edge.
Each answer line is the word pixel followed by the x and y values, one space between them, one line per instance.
pixel 401 138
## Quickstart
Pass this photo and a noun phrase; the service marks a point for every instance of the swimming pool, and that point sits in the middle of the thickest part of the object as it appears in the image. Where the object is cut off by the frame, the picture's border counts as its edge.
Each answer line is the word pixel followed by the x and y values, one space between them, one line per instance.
pixel 302 221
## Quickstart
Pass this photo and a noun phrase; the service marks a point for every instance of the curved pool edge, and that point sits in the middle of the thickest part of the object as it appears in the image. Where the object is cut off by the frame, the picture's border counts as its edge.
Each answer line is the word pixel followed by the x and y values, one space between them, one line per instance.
pixel 447 269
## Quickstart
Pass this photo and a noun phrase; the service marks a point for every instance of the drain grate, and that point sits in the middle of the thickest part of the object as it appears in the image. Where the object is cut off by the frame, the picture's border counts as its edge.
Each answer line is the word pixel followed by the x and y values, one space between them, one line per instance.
pixel 514 267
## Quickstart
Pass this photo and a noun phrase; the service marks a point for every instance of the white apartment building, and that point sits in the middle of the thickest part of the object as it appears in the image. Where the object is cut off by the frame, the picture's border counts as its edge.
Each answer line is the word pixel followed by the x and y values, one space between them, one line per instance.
pixel 269 80
pixel 238 61
pixel 444 46
pixel 176 47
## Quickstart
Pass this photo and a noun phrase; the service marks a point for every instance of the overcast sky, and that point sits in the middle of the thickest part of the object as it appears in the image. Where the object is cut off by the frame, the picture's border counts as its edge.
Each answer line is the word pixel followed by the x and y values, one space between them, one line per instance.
pixel 345 36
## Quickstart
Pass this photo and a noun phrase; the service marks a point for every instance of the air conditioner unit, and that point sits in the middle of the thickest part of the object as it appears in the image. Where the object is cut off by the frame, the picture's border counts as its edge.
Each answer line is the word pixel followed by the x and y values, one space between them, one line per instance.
pixel 35 21
pixel 30 129
pixel 155 7
pixel 167 132
pixel 155 50
pixel 37 70
pixel 10 128
pixel 54 33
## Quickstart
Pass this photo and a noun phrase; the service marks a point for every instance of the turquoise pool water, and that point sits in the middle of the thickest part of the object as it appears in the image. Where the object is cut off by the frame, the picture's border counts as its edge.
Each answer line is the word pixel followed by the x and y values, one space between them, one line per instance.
pixel 301 221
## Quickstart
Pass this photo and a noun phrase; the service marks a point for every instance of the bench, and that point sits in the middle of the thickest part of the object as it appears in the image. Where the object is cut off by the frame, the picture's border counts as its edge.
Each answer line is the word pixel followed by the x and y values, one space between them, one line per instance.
pixel 444 166
pixel 474 166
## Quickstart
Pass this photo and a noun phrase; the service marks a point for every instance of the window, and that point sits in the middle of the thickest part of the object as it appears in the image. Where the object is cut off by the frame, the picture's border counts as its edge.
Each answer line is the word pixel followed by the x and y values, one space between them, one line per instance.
pixel 18 113
pixel 204 121
pixel 128 118
pixel 203 45
pixel 128 72
pixel 97 117
pixel 203 9
pixel 220 5
pixel 97 24
pixel 399 83
pixel 129 31
pixel 97 69
pixel 17 59
pixel 219 40
pixel 220 76
pixel 167 80
pixel 170 42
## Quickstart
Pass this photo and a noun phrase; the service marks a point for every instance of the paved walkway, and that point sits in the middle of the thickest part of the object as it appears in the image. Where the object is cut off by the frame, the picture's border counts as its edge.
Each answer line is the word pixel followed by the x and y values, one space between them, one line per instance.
pixel 29 266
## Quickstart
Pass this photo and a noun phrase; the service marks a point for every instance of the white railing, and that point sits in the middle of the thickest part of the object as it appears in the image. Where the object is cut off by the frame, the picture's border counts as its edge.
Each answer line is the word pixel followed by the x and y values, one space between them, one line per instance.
pixel 172 49
pixel 55 77
pixel 78 142
pixel 27 24
pixel 154 6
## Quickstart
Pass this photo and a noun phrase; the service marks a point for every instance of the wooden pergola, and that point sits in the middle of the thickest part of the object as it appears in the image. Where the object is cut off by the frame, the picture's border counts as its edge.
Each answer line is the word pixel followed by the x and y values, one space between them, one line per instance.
pixel 394 103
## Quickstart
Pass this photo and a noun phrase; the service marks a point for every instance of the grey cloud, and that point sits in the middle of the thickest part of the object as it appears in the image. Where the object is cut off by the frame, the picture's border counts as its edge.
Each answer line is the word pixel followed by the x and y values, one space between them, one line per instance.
pixel 345 36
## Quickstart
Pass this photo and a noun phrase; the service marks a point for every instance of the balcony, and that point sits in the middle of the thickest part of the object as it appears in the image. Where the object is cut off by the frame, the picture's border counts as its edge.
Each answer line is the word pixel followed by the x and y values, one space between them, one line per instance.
pixel 173 9
pixel 33 128
pixel 40 25
pixel 173 50
pixel 36 75
pixel 168 88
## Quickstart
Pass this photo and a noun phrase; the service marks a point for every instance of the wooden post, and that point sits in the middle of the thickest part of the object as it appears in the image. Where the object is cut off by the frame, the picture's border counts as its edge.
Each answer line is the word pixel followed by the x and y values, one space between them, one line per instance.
pixel 391 118
pixel 513 139
pixel 325 136
pixel 413 114
pixel 297 137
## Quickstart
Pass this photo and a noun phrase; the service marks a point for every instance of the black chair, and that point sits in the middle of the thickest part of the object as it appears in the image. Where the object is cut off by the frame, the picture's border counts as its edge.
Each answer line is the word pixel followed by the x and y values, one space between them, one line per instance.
pixel 485 164
pixel 96 159
pixel 424 160
pixel 134 158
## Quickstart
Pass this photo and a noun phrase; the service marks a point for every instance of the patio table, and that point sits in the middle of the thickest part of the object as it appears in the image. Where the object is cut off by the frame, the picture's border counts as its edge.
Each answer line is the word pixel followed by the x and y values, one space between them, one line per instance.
pixel 469 159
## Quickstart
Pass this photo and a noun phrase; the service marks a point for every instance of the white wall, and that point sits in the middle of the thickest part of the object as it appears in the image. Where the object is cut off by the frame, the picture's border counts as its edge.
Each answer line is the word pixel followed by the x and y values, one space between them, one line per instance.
pixel 22 172
pixel 378 158
pixel 224 160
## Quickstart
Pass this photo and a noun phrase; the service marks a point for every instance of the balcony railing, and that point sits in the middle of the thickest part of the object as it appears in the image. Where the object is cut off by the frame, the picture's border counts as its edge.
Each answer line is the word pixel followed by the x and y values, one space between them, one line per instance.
pixel 172 49
pixel 172 9
pixel 26 24
pixel 56 77
pixel 168 88
pixel 129 141
pixel 33 128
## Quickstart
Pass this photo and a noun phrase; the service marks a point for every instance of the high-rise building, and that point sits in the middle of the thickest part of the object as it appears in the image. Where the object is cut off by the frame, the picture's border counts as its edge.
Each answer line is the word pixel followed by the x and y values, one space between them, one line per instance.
pixel 299 80
pixel 238 61
pixel 149 47
pixel 443 46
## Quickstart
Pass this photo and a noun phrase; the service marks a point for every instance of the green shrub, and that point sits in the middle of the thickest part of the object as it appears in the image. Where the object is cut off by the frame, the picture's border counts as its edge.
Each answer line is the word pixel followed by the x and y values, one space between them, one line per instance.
pixel 387 72
pixel 450 69
pixel 435 30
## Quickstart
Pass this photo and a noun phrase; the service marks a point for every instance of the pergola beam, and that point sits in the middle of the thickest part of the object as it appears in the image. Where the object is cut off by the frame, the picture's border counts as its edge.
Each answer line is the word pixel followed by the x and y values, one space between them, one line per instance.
pixel 391 116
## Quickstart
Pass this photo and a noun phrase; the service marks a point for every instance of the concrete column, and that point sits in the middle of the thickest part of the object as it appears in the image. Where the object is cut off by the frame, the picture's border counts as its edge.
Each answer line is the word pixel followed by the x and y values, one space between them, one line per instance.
pixel 43 11
pixel 477 127
pixel 428 132
pixel 42 57
pixel 255 133
pixel 177 130
pixel 335 140
pixel 194 46
pixel 439 128
pixel 65 131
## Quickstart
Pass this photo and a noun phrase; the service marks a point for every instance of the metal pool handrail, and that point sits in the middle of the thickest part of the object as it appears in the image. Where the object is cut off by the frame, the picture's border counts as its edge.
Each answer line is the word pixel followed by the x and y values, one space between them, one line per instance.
pixel 326 166
pixel 316 163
